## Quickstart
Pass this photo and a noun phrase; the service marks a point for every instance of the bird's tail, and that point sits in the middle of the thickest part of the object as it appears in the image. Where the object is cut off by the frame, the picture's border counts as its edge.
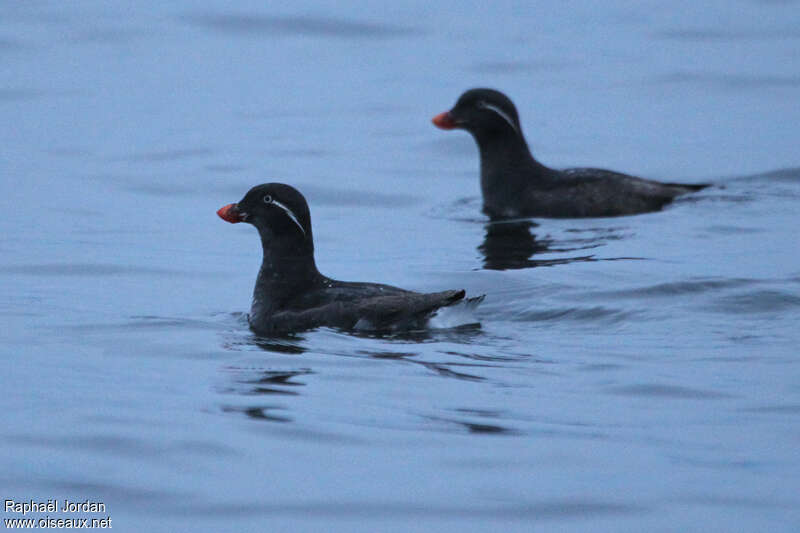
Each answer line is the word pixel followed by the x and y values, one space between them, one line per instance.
pixel 691 187
pixel 457 313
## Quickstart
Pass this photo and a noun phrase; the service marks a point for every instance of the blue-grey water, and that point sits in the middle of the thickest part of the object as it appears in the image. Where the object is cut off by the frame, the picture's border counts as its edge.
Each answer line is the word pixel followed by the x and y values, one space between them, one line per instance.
pixel 630 374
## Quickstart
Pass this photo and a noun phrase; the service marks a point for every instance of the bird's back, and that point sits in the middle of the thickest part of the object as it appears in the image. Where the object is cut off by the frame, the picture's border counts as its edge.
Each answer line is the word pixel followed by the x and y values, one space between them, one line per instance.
pixel 592 192
pixel 354 305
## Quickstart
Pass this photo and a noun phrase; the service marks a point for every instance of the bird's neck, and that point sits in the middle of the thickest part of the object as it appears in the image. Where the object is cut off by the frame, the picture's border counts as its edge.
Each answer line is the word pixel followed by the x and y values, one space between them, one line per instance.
pixel 508 169
pixel 285 272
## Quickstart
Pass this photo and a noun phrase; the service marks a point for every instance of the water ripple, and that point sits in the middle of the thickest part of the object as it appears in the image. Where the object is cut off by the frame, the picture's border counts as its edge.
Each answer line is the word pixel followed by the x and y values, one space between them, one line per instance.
pixel 790 175
pixel 757 301
pixel 493 68
pixel 578 314
pixel 677 288
pixel 266 25
pixel 731 81
pixel 16 95
pixel 166 155
pixel 258 382
pixel 733 35
pixel 113 444
pixel 551 509
pixel 657 390
pixel 780 409
pixel 85 269
pixel 263 412
pixel 481 428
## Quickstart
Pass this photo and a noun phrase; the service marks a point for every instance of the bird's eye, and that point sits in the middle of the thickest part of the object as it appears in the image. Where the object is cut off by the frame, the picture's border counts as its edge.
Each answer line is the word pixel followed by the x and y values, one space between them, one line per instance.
pixel 268 199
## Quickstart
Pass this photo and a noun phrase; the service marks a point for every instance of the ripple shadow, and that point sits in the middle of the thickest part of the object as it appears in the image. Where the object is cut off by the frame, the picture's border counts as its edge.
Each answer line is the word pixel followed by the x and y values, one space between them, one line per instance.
pixel 757 301
pixel 550 509
pixel 657 390
pixel 258 382
pixel 309 26
pixel 473 427
pixel 262 413
pixel 730 81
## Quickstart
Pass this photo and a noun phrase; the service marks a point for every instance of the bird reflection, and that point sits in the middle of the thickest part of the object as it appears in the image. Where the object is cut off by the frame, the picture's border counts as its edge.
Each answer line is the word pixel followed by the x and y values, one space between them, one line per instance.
pixel 259 382
pixel 258 413
pixel 511 245
pixel 262 384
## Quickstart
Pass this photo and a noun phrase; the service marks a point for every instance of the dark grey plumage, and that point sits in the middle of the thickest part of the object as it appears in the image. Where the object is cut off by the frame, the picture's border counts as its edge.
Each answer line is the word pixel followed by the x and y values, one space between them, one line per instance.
pixel 515 184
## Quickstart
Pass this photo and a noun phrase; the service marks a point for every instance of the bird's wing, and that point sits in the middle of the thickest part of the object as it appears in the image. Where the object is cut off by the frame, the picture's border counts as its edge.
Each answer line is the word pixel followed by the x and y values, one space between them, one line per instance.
pixel 379 312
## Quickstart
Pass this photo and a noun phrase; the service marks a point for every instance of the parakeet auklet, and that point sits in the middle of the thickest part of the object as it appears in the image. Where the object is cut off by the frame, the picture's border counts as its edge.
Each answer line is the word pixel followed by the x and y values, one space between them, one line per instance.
pixel 290 293
pixel 514 184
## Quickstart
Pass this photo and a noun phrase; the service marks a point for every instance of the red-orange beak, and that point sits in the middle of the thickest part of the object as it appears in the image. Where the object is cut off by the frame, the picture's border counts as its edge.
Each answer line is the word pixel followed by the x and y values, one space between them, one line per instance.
pixel 230 213
pixel 444 121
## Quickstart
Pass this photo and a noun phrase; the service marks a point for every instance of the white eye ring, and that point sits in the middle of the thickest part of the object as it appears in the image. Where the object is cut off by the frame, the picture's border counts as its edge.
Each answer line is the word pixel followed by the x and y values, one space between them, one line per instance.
pixel 268 199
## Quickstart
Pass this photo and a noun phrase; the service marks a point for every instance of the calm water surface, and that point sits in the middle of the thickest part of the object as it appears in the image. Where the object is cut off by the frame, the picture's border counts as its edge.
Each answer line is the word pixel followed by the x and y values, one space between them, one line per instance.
pixel 630 374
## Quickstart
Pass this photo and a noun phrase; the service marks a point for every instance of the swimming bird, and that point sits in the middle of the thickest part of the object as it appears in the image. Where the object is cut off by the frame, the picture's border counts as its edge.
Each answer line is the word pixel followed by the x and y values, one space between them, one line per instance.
pixel 514 184
pixel 292 295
